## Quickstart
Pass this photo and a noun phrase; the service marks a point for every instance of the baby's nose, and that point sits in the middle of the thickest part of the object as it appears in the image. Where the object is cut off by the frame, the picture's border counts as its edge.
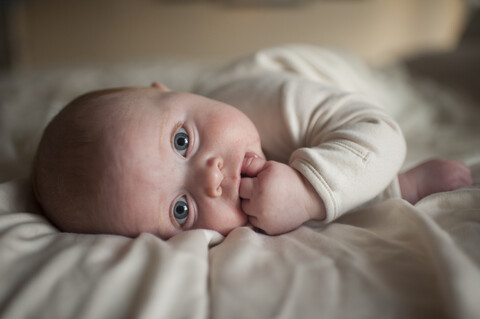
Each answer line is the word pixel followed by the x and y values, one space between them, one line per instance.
pixel 214 177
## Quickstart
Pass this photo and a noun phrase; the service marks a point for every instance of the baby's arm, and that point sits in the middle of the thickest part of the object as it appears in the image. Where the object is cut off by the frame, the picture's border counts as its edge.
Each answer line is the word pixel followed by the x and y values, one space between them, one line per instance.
pixel 276 197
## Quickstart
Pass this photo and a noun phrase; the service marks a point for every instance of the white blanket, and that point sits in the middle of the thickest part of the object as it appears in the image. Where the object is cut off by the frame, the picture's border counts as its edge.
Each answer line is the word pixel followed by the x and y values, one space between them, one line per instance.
pixel 392 260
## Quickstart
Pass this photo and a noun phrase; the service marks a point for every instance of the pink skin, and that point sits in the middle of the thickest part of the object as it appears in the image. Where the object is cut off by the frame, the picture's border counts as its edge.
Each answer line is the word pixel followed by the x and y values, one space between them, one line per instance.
pixel 151 174
pixel 433 176
pixel 276 197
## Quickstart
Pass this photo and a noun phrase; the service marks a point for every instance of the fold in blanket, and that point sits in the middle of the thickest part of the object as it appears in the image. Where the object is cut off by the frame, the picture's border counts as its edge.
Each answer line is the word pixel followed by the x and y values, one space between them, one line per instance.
pixel 390 260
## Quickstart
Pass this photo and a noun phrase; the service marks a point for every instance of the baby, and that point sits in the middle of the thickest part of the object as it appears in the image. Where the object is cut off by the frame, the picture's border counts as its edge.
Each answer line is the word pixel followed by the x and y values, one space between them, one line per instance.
pixel 132 160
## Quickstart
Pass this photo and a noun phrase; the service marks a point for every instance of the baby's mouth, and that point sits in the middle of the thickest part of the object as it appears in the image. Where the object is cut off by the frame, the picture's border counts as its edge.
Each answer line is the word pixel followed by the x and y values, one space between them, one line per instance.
pixel 247 156
pixel 246 160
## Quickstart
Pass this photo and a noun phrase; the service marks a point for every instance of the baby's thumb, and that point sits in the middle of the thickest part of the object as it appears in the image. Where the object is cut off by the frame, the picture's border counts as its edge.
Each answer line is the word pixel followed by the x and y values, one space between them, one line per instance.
pixel 252 165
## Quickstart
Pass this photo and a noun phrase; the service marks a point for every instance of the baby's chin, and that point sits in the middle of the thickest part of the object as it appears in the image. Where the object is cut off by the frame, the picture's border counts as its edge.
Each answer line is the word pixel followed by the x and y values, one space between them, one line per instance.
pixel 241 222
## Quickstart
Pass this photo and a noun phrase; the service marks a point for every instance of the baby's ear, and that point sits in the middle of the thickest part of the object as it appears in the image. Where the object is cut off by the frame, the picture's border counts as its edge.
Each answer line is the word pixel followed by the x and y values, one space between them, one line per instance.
pixel 160 86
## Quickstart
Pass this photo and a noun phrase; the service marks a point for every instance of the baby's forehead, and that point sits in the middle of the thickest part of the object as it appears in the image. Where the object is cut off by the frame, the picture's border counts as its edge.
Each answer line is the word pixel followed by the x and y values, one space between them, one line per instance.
pixel 102 93
pixel 147 104
pixel 104 103
pixel 114 96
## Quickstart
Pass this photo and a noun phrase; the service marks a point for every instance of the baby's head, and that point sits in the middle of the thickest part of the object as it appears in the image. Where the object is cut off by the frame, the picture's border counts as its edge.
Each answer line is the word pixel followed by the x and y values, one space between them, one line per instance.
pixel 126 161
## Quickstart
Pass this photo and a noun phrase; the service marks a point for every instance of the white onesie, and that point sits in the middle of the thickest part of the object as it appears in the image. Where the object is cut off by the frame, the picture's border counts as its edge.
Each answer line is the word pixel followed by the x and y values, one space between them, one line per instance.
pixel 310 108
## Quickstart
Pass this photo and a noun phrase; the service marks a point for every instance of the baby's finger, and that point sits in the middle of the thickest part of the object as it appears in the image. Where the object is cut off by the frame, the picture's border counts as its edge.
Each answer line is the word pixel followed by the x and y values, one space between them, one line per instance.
pixel 251 166
pixel 246 188
pixel 246 206
pixel 253 220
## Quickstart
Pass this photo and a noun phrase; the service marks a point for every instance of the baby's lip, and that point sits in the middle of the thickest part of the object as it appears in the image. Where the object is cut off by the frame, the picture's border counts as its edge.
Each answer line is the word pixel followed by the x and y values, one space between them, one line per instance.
pixel 247 160
pixel 247 155
pixel 251 154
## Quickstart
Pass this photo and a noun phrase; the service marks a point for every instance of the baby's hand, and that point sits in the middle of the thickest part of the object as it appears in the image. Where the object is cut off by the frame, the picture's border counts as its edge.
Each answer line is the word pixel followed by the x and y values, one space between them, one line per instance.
pixel 276 197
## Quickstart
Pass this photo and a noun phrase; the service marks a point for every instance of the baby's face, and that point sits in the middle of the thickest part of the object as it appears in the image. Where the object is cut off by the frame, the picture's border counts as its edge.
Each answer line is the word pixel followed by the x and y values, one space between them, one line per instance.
pixel 176 159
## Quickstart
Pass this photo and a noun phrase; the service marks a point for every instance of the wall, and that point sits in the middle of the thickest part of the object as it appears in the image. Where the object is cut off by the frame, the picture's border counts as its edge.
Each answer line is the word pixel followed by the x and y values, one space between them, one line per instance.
pixel 66 32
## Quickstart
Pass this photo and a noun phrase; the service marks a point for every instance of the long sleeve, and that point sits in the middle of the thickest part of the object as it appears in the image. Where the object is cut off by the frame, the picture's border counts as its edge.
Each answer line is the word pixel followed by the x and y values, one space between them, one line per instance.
pixel 349 149
pixel 352 150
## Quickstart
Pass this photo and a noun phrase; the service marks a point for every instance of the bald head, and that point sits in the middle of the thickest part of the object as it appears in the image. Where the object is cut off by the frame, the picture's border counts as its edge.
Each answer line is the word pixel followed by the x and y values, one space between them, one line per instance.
pixel 72 164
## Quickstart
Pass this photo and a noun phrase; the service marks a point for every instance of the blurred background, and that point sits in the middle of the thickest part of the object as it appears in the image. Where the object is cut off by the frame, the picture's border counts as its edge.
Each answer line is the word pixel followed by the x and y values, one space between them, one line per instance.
pixel 46 33
pixel 53 50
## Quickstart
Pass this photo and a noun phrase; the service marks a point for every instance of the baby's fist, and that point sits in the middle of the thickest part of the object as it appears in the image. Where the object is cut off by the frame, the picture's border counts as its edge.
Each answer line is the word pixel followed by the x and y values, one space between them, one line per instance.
pixel 276 197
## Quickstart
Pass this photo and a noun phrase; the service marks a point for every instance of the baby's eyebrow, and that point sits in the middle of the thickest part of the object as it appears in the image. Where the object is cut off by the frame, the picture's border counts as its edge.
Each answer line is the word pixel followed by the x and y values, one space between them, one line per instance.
pixel 175 128
pixel 163 129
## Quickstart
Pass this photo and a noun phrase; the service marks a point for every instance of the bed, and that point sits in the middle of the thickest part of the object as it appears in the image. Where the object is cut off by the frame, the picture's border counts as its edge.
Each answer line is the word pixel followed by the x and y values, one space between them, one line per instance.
pixel 389 260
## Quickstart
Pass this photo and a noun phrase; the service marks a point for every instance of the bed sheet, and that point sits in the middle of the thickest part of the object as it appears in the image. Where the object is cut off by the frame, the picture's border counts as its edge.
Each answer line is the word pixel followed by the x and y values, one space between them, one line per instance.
pixel 391 260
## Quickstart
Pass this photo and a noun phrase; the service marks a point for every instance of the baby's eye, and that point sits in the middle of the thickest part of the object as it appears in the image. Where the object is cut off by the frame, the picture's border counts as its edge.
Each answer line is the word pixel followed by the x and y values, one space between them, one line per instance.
pixel 180 210
pixel 180 141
